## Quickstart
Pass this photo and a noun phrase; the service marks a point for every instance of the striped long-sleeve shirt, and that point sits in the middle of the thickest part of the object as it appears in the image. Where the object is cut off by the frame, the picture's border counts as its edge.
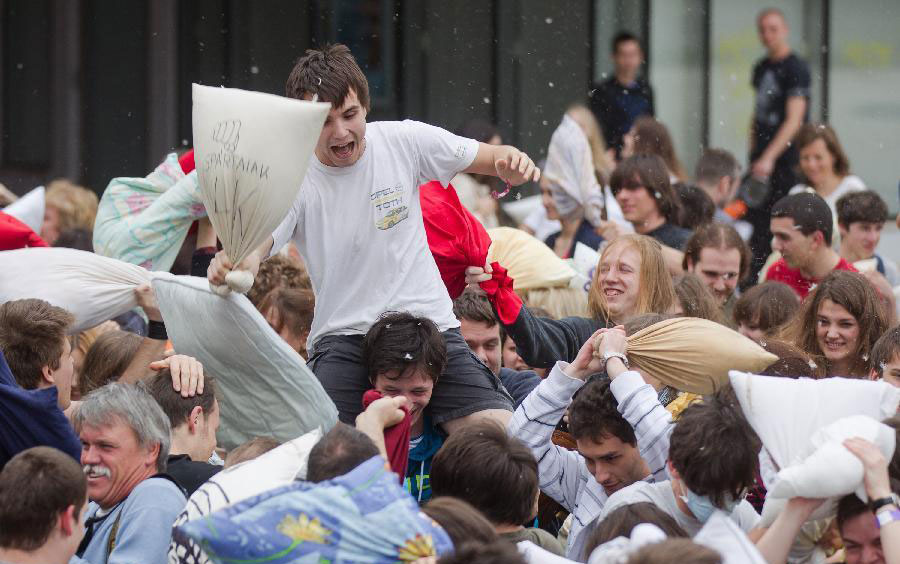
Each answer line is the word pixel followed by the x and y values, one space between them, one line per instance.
pixel 562 474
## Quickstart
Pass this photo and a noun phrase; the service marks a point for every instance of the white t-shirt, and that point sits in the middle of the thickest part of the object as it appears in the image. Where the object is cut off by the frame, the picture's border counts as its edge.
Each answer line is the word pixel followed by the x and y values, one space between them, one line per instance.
pixel 360 230
pixel 660 494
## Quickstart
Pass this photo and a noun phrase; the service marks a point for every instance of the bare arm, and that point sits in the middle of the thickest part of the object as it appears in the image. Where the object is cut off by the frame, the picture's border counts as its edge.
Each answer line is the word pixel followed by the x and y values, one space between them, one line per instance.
pixel 381 413
pixel 149 349
pixel 506 162
pixel 796 109
pixel 775 543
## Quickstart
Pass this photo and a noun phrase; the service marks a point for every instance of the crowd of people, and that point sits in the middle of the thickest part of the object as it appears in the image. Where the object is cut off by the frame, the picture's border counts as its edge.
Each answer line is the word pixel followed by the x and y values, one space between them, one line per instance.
pixel 564 386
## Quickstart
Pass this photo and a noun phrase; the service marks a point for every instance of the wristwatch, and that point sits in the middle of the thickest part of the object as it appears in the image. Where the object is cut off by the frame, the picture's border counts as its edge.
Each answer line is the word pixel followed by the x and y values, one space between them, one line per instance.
pixel 612 354
pixel 885 517
pixel 892 499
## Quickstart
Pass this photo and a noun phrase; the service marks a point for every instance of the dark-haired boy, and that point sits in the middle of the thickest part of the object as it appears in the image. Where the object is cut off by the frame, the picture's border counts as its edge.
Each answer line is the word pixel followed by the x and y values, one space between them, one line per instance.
pixel 357 222
pixel 498 476
pixel 885 363
pixel 404 355
pixel 861 216
pixel 619 426
pixel 802 227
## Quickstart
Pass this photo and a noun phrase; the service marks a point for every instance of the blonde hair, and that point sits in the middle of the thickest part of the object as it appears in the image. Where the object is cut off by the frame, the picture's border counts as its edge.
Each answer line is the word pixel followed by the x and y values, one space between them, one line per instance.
pixel 559 302
pixel 76 205
pixel 655 291
pixel 584 117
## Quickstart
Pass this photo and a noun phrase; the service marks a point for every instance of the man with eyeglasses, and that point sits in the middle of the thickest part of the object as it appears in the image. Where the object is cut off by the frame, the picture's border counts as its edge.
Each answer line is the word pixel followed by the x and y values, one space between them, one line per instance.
pixel 720 258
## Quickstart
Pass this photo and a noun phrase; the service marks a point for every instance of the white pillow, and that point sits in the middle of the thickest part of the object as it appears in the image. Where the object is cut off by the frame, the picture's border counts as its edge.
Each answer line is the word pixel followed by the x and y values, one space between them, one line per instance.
pixel 29 209
pixel 785 412
pixel 265 386
pixel 93 288
pixel 278 467
pixel 251 151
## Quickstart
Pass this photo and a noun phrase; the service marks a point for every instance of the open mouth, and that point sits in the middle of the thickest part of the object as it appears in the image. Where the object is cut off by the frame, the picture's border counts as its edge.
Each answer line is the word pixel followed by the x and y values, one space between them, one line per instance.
pixel 834 347
pixel 611 293
pixel 343 151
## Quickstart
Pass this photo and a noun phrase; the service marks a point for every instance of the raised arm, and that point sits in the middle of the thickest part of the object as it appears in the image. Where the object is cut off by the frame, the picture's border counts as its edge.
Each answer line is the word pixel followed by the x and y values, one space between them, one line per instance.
pixel 639 405
pixel 506 162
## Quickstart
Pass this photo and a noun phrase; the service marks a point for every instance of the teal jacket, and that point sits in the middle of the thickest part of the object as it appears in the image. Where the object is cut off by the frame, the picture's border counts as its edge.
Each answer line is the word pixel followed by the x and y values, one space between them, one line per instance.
pixel 418 471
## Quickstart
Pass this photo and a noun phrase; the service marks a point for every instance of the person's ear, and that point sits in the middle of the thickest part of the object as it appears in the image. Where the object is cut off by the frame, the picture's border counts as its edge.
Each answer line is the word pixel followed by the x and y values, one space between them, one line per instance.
pixel 195 418
pixel 47 375
pixel 673 473
pixel 68 521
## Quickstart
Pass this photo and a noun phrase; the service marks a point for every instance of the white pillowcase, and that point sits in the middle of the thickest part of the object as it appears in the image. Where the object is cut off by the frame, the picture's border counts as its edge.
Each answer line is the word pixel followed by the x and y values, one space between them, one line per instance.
pixel 93 288
pixel 266 388
pixel 278 467
pixel 251 150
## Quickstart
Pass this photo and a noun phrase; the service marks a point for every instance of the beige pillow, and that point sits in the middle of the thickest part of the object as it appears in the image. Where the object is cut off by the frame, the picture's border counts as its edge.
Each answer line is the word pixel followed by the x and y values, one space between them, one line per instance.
pixel 530 263
pixel 694 355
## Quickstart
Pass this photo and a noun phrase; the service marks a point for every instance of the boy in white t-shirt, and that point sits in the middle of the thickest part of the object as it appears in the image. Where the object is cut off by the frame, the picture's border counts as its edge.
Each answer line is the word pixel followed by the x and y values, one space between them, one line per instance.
pixel 358 224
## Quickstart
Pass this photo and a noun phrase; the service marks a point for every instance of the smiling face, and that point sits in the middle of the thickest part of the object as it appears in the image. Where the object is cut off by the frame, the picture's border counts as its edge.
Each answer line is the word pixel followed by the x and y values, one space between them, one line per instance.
pixel 613 463
pixel 860 239
pixel 719 269
pixel 415 385
pixel 817 163
pixel 547 199
pixel 115 462
pixel 620 279
pixel 837 333
pixel 511 358
pixel 342 141
pixel 639 206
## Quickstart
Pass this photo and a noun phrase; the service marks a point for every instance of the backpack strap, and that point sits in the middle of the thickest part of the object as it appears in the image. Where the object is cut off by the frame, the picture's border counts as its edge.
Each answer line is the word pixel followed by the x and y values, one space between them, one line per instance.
pixel 111 543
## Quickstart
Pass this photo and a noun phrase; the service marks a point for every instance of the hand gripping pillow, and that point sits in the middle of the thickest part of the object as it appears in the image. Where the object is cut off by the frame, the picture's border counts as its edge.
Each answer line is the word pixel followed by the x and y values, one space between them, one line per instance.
pixel 29 209
pixel 278 467
pixel 144 220
pixel 93 288
pixel 793 418
pixel 362 516
pixel 266 387
pixel 694 355
pixel 528 261
pixel 251 151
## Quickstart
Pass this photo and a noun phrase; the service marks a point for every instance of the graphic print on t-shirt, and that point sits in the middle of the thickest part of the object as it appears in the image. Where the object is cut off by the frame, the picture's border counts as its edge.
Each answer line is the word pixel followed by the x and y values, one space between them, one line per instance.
pixel 768 92
pixel 390 207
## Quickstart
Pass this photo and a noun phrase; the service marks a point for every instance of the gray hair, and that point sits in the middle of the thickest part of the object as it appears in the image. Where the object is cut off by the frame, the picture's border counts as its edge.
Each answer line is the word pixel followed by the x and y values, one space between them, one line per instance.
pixel 132 405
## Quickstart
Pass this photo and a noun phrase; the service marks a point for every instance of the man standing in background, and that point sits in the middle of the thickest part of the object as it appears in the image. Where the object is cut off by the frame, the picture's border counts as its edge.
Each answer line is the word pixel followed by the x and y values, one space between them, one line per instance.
pixel 623 97
pixel 782 84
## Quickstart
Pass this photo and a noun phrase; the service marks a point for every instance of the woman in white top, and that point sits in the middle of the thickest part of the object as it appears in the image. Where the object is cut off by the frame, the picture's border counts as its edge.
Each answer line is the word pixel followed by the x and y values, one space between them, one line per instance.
pixel 825 167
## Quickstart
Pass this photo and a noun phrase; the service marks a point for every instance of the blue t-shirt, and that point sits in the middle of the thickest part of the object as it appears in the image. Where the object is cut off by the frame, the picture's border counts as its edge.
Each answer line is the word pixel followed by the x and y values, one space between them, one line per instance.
pixel 30 418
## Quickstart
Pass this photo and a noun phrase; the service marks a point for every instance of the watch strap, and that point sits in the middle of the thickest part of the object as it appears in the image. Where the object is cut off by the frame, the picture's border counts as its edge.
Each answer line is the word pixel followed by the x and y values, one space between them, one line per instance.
pixel 882 501
pixel 886 517
pixel 620 356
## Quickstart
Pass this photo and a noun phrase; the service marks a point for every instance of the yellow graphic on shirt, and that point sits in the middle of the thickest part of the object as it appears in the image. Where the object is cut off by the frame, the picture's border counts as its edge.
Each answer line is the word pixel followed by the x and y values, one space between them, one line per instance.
pixel 390 207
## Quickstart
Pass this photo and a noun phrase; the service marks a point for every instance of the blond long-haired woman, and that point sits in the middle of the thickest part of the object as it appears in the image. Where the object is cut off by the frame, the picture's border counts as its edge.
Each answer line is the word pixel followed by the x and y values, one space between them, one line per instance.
pixel 630 279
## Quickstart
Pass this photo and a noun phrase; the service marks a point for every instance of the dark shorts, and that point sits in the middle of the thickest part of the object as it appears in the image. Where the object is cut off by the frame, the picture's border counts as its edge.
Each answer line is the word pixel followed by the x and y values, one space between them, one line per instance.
pixel 467 386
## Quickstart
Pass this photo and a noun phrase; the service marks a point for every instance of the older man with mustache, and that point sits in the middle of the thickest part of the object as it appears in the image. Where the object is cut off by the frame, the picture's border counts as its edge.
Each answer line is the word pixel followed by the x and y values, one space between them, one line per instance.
pixel 125 438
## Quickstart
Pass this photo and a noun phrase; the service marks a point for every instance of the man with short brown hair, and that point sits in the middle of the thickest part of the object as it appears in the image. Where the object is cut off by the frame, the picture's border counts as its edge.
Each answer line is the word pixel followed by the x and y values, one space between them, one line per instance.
pixel 719 257
pixel 357 222
pixel 36 369
pixel 43 498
